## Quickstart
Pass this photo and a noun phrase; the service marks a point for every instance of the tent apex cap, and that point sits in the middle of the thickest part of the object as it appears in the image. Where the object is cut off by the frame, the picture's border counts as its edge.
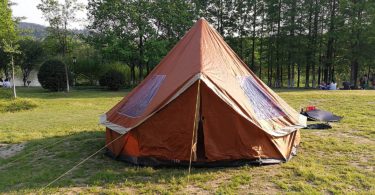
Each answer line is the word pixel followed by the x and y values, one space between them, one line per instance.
pixel 202 22
pixel 202 19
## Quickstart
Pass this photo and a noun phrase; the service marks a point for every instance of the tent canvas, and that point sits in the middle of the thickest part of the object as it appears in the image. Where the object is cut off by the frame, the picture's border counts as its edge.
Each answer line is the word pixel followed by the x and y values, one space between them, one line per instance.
pixel 202 102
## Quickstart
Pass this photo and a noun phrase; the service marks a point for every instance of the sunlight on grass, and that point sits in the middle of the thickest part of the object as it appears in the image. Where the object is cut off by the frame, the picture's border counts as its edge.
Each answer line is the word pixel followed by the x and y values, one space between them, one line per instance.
pixel 63 129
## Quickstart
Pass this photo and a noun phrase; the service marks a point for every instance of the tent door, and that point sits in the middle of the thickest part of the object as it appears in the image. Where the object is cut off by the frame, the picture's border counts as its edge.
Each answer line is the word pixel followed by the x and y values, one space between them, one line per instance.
pixel 201 153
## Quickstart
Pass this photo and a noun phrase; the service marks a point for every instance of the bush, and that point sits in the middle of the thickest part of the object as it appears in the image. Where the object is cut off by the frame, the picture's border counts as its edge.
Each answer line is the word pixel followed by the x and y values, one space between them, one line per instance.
pixel 6 93
pixel 17 105
pixel 51 75
pixel 113 79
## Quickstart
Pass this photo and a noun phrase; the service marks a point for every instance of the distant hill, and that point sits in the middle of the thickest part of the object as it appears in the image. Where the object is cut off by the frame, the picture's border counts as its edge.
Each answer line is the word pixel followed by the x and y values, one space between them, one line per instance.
pixel 39 31
pixel 31 29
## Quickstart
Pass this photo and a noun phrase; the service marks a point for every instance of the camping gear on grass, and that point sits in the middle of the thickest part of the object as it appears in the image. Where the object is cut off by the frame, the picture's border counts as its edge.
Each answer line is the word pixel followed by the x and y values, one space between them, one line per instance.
pixel 314 114
pixel 309 108
pixel 318 126
pixel 202 106
pixel 321 115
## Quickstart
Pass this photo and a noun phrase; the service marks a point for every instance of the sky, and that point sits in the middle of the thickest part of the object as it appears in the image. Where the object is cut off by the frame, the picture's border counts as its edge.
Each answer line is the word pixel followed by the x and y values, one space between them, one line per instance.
pixel 28 9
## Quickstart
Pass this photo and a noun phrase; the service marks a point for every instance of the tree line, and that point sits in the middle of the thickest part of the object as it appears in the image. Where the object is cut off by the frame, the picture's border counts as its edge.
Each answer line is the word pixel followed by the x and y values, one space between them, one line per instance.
pixel 287 43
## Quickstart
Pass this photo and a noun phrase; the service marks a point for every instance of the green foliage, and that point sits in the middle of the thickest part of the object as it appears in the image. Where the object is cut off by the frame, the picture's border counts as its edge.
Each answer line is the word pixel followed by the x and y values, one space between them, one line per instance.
pixel 113 79
pixel 52 76
pixel 5 93
pixel 31 53
pixel 287 43
pixel 143 33
pixel 59 16
pixel 88 69
pixel 9 104
pixel 7 27
pixel 8 34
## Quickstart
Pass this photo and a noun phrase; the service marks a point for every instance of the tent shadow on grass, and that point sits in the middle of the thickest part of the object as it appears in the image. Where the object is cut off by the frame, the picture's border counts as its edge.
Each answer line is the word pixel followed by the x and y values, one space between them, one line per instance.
pixel 33 172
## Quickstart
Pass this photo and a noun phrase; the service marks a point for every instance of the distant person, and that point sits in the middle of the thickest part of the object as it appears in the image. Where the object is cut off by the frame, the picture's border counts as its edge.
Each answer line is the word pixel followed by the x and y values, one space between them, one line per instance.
pixel 373 81
pixel 363 82
pixel 323 86
pixel 346 85
pixel 333 85
pixel 6 83
pixel 1 82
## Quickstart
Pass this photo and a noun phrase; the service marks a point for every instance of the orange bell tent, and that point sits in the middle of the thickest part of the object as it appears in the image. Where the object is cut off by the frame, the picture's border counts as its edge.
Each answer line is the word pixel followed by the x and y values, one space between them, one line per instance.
pixel 202 103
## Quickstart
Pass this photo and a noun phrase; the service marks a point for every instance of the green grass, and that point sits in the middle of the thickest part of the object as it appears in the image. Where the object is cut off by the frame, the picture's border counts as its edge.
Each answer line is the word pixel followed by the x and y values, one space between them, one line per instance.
pixel 63 129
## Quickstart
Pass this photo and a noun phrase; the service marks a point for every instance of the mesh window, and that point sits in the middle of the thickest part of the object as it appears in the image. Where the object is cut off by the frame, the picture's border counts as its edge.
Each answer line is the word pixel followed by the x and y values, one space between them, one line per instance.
pixel 139 101
pixel 261 102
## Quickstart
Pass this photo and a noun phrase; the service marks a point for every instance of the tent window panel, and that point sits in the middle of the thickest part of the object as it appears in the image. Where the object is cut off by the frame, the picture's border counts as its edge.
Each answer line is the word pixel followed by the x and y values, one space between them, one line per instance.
pixel 261 102
pixel 139 101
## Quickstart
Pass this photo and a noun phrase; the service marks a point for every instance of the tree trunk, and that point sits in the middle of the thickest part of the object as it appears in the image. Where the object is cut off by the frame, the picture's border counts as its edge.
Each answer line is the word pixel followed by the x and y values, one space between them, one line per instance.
pixel 315 42
pixel 330 44
pixel 307 75
pixel 24 79
pixel 354 68
pixel 64 52
pixel 293 76
pixel 298 74
pixel 6 72
pixel 291 49
pixel 354 72
pixel 309 49
pixel 319 74
pixel 261 45
pixel 253 38
pixel 140 61
pixel 269 59
pixel 281 76
pixel 132 73
pixel 278 73
pixel 289 70
pixel 148 67
pixel 368 74
pixel 13 80
pixel 320 71
pixel 260 58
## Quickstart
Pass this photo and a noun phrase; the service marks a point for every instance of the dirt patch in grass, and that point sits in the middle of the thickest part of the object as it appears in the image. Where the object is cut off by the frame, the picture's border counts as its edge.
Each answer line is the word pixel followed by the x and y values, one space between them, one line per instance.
pixel 9 150
pixel 191 189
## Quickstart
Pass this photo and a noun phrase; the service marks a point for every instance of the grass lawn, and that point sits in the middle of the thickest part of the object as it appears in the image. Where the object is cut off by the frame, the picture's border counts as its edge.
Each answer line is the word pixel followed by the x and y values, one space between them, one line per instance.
pixel 63 129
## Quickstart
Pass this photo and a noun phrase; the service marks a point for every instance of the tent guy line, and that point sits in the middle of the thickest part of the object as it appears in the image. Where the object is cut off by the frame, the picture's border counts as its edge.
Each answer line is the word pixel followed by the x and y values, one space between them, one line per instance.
pixel 34 152
pixel 78 164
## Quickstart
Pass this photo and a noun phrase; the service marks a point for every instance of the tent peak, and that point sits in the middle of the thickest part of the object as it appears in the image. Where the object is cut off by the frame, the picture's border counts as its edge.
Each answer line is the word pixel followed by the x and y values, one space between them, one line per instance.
pixel 202 22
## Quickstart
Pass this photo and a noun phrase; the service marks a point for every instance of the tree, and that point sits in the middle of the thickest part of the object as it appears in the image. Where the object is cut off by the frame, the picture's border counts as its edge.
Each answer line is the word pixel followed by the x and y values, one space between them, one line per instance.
pixel 59 17
pixel 51 75
pixel 8 36
pixel 358 20
pixel 30 56
pixel 135 30
pixel 302 40
pixel 329 61
pixel 12 50
pixel 113 79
